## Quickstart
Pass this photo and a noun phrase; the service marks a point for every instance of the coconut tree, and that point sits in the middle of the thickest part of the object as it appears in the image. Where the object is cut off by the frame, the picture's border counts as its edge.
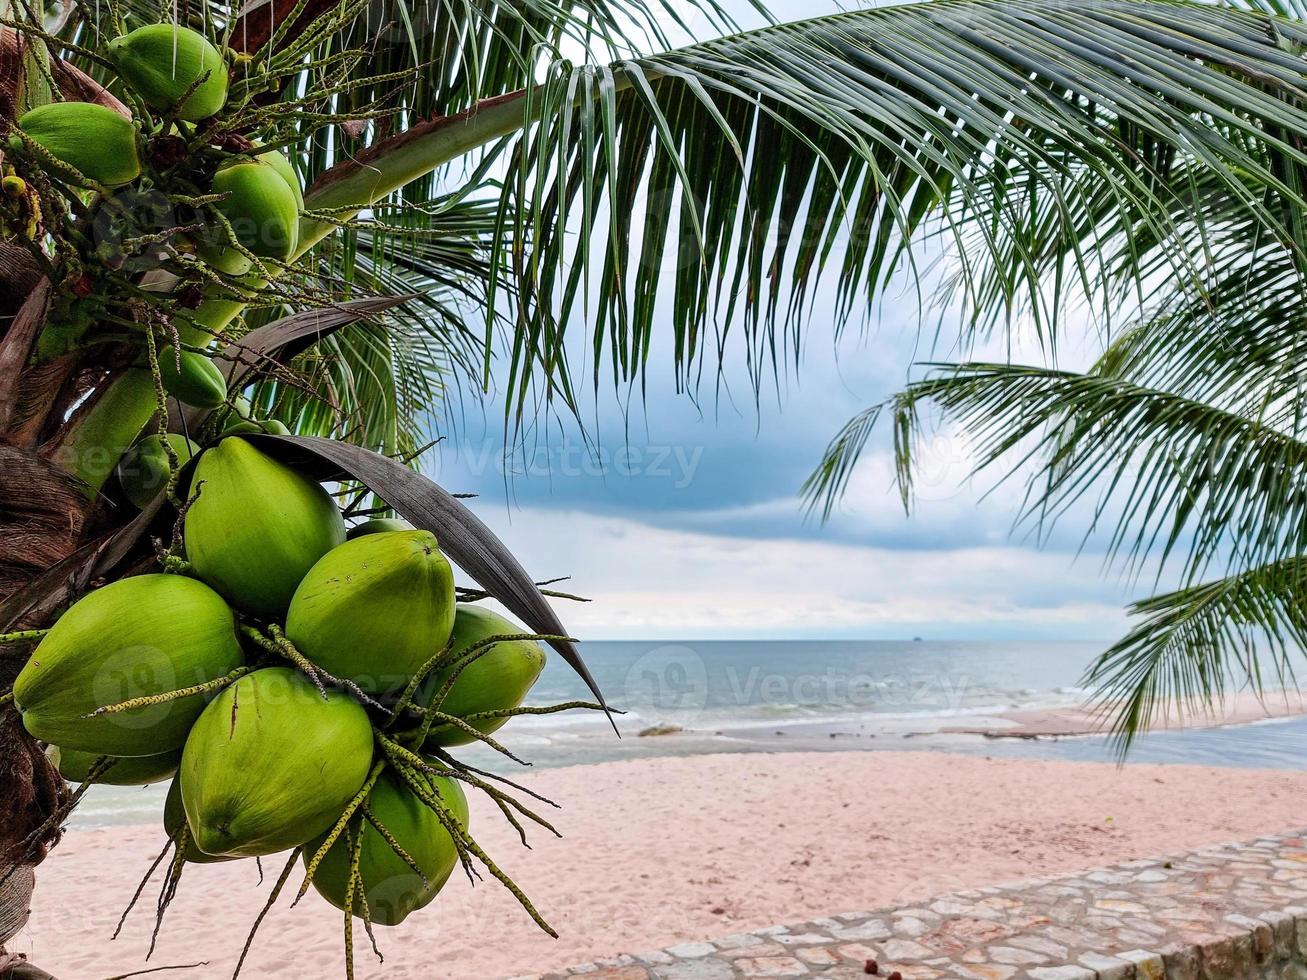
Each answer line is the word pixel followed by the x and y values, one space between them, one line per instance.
pixel 481 182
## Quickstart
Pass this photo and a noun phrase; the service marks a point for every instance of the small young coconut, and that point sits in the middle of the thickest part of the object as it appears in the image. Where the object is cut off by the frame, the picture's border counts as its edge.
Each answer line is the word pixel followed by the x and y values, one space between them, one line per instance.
pixel 199 381
pixel 274 427
pixel 144 469
pixel 161 62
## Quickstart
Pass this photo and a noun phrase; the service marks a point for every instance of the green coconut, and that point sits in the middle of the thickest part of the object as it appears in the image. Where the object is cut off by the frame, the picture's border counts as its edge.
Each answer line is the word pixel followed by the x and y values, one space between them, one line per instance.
pixel 75 766
pixel 199 382
pixel 498 679
pixel 162 62
pixel 96 142
pixel 260 206
pixel 256 427
pixel 271 764
pixel 144 469
pixel 174 815
pixel 377 525
pixel 375 609
pixel 279 163
pixel 233 415
pixel 140 636
pixel 228 261
pixel 257 526
pixel 391 886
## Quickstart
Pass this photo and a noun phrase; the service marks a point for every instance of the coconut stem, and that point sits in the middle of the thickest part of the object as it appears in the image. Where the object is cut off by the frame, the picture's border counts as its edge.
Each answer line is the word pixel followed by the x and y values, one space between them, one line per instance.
pixel 456 764
pixel 140 889
pixel 21 636
pixel 355 861
pixel 548 709
pixel 463 659
pixel 466 658
pixel 161 402
pixel 400 755
pixel 513 821
pixel 169 890
pixel 341 823
pixel 406 696
pixel 149 701
pixel 422 789
pixel 275 641
pixel 462 725
pixel 503 799
pixel 477 595
pixel 351 887
pixel 390 839
pixel 465 842
pixel 29 844
pixel 508 883
pixel 267 907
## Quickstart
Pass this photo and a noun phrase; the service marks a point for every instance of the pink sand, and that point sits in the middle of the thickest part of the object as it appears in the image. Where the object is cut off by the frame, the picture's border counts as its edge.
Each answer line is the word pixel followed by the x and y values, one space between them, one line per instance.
pixel 664 850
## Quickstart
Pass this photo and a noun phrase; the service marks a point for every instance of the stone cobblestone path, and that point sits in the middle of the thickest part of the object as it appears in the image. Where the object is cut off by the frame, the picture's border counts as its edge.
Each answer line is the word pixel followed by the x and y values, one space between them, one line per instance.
pixel 1226 912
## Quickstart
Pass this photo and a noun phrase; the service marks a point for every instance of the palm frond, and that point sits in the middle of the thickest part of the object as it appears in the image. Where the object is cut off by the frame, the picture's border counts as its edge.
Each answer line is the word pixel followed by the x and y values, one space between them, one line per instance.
pixel 1165 475
pixel 827 484
pixel 380 385
pixel 1197 643
pixel 721 182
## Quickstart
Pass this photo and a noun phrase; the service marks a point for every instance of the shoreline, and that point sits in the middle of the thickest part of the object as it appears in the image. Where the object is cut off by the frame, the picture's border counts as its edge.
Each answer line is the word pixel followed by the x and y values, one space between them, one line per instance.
pixel 1242 708
pixel 664 850
pixel 1013 734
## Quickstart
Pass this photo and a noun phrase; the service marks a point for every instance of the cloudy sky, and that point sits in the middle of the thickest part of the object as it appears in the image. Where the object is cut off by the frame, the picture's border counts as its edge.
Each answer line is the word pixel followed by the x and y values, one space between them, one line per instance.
pixel 684 520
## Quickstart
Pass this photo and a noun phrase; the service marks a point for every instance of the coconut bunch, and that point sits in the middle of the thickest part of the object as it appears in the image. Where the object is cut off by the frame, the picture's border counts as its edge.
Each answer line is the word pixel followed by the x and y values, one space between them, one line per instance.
pixel 233 203
pixel 175 194
pixel 299 682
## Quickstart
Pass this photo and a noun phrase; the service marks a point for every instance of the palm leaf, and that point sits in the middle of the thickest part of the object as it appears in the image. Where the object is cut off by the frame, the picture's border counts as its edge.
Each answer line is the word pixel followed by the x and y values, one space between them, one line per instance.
pixel 1165 475
pixel 726 176
pixel 1196 643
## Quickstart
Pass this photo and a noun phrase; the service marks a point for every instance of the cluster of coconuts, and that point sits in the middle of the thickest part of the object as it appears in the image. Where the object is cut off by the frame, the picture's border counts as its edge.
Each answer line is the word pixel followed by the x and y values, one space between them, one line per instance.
pixel 270 761
pixel 179 74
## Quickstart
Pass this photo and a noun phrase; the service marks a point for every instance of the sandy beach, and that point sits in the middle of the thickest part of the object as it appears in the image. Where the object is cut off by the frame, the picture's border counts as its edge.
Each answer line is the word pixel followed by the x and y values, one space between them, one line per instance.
pixel 657 851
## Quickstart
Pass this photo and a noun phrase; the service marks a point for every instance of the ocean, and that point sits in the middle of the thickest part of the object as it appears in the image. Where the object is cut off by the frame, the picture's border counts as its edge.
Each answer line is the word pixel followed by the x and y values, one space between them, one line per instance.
pixel 770 696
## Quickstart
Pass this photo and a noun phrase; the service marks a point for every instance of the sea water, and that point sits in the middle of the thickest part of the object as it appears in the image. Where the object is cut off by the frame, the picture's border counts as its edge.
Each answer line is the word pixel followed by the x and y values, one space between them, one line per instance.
pixel 781 695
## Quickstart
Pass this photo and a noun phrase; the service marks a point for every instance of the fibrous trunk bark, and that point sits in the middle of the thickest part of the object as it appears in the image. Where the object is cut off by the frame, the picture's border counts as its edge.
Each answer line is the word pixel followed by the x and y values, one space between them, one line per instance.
pixel 43 515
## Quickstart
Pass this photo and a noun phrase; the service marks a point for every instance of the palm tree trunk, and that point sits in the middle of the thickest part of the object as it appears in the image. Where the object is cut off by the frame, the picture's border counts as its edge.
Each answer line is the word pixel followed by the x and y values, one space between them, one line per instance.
pixel 43 515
